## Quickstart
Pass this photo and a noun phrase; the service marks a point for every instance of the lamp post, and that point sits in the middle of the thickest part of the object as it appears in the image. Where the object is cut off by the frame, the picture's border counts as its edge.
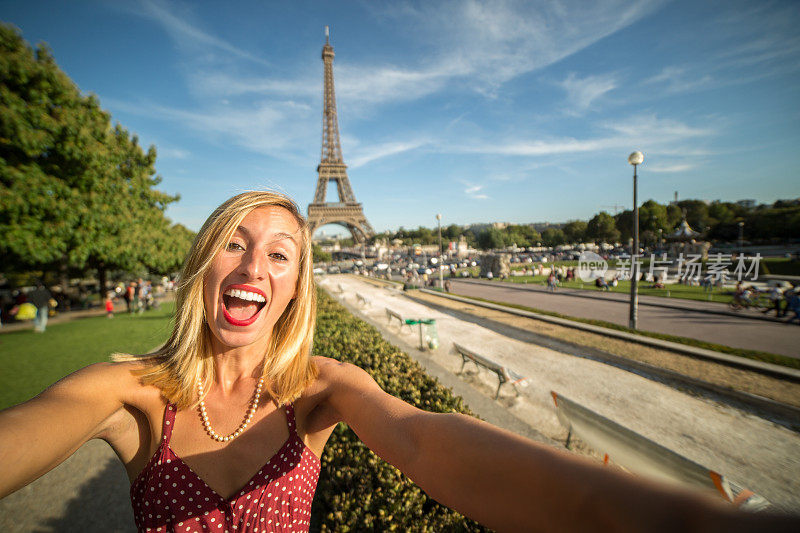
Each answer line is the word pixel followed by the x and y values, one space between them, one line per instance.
pixel 635 159
pixel 741 237
pixel 441 275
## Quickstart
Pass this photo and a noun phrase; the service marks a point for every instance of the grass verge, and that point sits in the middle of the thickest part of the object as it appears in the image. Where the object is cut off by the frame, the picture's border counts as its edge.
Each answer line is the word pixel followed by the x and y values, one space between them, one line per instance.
pixel 685 292
pixel 30 362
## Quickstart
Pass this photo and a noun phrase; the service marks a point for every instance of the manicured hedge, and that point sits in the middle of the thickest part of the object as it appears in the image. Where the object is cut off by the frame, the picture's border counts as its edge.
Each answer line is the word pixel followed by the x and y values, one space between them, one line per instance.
pixel 357 490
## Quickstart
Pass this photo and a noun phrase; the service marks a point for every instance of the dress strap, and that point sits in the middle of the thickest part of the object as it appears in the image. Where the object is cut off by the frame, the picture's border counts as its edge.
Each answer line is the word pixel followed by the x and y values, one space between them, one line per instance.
pixel 290 418
pixel 169 422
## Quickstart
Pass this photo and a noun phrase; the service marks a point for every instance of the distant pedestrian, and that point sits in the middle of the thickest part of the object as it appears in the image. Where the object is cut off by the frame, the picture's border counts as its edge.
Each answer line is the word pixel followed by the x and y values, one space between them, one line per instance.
pixel 40 297
pixel 447 286
pixel 137 296
pixel 776 299
pixel 128 297
pixel 552 281
pixel 109 306
pixel 794 307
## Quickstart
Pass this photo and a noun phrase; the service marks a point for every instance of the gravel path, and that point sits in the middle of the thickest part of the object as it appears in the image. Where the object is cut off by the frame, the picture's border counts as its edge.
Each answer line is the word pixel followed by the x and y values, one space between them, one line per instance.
pixel 755 453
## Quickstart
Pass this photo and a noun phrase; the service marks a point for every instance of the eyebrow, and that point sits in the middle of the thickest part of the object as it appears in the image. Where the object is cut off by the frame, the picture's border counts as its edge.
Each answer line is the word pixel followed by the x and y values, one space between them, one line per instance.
pixel 277 236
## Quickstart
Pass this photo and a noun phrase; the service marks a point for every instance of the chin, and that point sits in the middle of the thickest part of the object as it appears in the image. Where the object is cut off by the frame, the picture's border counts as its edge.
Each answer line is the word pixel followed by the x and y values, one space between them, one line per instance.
pixel 239 339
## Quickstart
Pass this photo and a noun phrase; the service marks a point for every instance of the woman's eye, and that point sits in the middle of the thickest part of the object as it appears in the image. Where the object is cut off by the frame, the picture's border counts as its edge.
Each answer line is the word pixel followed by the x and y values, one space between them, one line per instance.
pixel 234 246
pixel 279 256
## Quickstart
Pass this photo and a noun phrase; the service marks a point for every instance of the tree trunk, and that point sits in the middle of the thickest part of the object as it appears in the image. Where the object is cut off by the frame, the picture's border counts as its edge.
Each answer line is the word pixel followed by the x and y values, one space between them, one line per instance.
pixel 63 275
pixel 101 277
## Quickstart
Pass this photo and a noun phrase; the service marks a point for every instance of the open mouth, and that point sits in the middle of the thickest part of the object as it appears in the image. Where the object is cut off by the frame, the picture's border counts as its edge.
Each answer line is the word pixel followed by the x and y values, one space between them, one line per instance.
pixel 241 304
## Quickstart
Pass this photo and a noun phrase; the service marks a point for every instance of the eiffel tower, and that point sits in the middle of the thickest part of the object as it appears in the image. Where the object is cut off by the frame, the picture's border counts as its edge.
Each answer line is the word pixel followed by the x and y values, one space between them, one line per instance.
pixel 347 211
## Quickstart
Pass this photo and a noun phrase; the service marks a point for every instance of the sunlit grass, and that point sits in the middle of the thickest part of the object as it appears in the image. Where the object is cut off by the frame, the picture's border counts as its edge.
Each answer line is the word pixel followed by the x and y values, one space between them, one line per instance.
pixel 29 362
pixel 675 290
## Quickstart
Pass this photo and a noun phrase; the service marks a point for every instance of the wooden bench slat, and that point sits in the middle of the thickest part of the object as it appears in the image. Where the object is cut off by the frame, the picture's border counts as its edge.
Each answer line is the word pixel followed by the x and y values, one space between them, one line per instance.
pixel 504 374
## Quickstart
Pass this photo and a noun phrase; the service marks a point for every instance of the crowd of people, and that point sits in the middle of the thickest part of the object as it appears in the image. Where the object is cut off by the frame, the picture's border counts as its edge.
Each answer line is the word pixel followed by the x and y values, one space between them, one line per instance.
pixel 39 302
pixel 782 301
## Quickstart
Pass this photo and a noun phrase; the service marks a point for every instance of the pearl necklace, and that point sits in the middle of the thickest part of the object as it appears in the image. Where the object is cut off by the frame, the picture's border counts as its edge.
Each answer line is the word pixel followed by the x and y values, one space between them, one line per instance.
pixel 247 419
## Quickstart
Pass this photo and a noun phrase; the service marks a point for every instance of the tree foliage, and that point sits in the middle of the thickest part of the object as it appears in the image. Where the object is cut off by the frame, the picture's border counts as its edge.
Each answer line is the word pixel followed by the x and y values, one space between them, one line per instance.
pixel 75 192
pixel 603 228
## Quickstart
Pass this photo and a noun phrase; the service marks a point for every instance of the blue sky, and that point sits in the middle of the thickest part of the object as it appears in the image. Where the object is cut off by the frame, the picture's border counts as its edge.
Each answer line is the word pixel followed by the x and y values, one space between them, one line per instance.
pixel 482 111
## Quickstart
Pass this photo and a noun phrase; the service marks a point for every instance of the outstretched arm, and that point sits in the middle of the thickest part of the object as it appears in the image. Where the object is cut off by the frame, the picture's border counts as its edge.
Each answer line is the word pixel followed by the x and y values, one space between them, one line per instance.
pixel 510 483
pixel 36 436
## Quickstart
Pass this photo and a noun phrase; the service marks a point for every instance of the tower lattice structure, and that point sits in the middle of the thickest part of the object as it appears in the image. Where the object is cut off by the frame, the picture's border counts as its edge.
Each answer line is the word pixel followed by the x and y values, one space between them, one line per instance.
pixel 347 211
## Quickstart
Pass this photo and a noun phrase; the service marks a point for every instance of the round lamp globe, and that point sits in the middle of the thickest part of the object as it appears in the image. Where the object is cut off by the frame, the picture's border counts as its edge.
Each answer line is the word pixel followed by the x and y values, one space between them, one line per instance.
pixel 636 158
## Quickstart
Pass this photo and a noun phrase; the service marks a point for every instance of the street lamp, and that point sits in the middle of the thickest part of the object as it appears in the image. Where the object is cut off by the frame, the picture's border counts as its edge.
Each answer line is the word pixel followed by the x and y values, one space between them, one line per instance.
pixel 741 237
pixel 635 159
pixel 441 275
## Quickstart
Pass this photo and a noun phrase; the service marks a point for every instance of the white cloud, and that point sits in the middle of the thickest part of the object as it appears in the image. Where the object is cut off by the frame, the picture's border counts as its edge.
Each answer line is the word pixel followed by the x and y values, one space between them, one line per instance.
pixel 364 155
pixel 474 192
pixel 679 80
pixel 493 42
pixel 172 153
pixel 477 45
pixel 184 33
pixel 648 133
pixel 277 129
pixel 681 167
pixel 581 92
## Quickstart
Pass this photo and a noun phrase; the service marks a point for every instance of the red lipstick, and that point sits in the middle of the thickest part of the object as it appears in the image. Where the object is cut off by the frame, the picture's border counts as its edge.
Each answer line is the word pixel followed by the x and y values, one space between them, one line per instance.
pixel 236 321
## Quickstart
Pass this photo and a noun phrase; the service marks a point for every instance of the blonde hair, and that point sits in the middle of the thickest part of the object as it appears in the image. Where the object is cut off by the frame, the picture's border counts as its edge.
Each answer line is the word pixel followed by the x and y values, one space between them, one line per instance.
pixel 186 357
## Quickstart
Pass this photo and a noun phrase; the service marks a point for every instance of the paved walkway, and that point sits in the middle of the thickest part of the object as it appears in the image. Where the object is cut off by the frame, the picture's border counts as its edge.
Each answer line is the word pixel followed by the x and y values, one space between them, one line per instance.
pixel 86 493
pixel 690 320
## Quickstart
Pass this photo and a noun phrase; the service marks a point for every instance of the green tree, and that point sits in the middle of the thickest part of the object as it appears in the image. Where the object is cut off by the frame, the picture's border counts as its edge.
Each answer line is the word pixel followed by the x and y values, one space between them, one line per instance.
pixel 491 238
pixel 602 228
pixel 75 192
pixel 696 213
pixel 320 256
pixel 553 237
pixel 575 231
pixel 451 232
pixel 674 216
pixel 652 218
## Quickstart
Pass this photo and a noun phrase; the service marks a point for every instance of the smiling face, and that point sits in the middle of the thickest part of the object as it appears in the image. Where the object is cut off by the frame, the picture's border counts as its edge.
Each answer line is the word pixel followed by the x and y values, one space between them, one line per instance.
pixel 253 279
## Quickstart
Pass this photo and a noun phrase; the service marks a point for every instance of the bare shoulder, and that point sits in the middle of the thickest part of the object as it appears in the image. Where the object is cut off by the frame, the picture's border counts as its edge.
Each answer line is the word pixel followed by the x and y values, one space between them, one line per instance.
pixel 316 408
pixel 334 374
pixel 111 381
pixel 103 375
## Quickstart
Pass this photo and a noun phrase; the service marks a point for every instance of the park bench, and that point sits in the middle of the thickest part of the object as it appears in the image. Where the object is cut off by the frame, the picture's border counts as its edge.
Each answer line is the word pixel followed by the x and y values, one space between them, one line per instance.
pixel 391 313
pixel 363 300
pixel 504 374
pixel 642 455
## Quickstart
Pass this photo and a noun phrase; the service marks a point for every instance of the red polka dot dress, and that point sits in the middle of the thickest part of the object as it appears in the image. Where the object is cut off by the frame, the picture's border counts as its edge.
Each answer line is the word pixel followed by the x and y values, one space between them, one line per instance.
pixel 168 496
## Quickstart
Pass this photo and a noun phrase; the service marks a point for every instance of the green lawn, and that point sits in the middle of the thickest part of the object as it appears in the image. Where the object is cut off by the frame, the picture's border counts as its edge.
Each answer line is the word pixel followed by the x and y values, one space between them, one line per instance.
pixel 671 291
pixel 29 362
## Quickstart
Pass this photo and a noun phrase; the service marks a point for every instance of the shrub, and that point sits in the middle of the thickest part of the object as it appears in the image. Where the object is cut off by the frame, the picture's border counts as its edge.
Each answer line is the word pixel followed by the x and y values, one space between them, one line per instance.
pixel 357 490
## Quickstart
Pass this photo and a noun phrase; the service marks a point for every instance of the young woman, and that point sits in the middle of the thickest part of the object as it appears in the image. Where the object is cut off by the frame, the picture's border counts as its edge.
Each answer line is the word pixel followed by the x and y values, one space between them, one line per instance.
pixel 221 428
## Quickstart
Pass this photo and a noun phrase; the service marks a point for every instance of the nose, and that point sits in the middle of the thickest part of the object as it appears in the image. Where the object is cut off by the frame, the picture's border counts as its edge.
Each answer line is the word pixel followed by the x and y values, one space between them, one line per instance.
pixel 254 264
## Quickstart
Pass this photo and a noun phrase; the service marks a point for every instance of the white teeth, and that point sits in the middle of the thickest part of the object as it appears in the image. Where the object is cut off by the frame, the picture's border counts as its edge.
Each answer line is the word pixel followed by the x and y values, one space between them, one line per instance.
pixel 245 295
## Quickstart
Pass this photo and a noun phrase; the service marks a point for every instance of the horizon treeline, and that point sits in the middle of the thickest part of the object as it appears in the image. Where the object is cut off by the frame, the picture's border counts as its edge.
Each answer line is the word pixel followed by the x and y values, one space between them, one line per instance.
pixel 778 222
